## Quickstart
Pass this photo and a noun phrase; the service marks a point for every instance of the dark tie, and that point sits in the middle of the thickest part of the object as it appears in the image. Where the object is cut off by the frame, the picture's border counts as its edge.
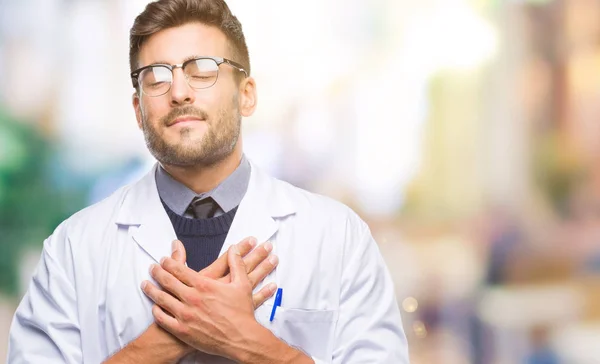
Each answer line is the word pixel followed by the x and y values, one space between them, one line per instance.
pixel 203 208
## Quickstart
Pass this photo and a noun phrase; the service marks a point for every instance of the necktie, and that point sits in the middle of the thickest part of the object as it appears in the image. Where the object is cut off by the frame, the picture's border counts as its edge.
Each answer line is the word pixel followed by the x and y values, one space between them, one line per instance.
pixel 203 208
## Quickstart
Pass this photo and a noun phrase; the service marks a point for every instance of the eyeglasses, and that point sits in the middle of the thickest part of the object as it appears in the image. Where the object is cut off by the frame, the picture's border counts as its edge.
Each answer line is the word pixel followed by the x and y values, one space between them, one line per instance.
pixel 156 79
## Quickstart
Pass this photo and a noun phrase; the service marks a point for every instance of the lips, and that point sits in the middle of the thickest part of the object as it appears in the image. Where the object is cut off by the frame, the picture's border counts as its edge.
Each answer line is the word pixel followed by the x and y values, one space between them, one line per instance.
pixel 183 119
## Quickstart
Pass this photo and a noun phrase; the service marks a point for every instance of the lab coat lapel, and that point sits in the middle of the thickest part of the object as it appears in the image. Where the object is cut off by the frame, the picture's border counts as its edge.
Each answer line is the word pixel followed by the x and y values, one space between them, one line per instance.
pixel 263 204
pixel 149 223
pixel 259 210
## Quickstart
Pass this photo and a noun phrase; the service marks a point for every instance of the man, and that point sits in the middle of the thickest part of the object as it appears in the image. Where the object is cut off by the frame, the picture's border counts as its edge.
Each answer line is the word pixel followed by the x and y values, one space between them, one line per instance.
pixel 111 287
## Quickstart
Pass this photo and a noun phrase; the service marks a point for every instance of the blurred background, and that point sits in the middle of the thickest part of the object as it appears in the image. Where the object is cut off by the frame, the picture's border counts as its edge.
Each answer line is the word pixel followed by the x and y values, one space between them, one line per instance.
pixel 466 133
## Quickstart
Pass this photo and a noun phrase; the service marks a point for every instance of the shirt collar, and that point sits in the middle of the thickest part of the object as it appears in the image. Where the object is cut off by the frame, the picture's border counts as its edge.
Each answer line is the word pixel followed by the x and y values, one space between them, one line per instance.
pixel 228 194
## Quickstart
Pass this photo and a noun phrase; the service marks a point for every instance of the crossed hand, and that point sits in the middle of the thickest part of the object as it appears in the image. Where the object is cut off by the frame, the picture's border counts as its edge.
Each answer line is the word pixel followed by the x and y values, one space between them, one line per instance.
pixel 211 310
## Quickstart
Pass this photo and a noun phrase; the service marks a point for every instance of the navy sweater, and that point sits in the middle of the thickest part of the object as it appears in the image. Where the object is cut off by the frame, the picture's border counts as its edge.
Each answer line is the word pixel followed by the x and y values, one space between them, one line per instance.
pixel 202 238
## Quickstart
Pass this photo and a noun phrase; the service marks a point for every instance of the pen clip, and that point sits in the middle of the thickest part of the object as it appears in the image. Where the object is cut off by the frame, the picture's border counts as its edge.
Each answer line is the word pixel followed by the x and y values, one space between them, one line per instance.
pixel 278 297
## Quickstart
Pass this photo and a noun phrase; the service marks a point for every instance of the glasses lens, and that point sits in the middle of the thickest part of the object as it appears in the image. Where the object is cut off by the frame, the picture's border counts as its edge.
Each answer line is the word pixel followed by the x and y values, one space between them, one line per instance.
pixel 202 73
pixel 156 80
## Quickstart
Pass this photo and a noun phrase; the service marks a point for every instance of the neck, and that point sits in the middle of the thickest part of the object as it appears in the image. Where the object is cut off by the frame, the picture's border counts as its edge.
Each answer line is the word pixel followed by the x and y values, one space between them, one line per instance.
pixel 202 178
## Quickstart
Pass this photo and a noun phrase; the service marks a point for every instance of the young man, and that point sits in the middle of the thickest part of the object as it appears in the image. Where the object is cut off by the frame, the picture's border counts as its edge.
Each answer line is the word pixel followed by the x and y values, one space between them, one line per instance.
pixel 111 287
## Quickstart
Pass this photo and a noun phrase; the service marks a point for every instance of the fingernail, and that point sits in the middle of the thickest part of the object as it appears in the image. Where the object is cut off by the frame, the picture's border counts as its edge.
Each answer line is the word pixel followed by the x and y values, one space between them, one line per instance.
pixel 175 246
pixel 273 259
pixel 252 242
pixel 235 250
pixel 268 246
pixel 152 267
pixel 162 260
pixel 145 283
pixel 272 287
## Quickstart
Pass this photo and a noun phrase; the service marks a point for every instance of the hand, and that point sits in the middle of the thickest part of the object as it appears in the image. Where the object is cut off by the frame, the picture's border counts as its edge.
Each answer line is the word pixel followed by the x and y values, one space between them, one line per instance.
pixel 156 345
pixel 258 265
pixel 213 316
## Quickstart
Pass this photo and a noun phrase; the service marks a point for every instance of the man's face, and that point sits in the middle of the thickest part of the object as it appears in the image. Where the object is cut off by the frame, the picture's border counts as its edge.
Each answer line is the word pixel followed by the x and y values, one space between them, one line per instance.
pixel 187 126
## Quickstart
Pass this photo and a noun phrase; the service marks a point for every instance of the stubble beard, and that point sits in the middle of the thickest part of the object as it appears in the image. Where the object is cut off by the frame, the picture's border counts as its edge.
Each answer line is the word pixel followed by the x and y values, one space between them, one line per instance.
pixel 218 142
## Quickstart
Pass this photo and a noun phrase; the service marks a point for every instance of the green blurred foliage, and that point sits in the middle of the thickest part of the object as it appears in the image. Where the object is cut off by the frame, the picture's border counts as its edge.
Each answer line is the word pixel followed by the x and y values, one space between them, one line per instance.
pixel 31 203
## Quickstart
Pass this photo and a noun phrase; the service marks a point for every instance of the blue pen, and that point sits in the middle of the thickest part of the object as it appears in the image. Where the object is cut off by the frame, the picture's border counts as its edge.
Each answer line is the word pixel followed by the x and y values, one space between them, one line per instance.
pixel 277 302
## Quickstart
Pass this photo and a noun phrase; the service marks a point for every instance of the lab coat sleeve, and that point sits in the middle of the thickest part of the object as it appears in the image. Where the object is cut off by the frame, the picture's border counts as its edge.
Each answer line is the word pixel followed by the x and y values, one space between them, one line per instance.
pixel 45 327
pixel 369 329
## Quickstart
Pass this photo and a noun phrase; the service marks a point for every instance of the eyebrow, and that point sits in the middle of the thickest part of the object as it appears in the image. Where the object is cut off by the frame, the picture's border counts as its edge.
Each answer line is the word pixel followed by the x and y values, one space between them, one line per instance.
pixel 188 58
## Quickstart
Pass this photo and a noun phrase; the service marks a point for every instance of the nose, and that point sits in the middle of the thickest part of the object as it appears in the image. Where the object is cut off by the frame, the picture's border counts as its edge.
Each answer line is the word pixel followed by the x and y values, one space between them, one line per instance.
pixel 181 92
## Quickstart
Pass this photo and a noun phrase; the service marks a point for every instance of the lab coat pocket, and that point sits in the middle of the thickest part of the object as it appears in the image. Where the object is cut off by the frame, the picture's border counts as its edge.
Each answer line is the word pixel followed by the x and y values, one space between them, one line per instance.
pixel 312 331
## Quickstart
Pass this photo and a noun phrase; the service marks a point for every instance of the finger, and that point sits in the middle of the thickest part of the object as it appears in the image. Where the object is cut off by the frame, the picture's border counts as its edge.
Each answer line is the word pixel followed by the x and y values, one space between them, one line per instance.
pixel 179 271
pixel 162 298
pixel 164 320
pixel 253 259
pixel 220 267
pixel 237 268
pixel 179 253
pixel 263 295
pixel 263 270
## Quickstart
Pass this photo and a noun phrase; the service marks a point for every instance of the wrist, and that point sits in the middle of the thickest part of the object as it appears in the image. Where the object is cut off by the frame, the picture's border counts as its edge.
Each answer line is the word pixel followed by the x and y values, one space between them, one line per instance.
pixel 262 346
pixel 158 346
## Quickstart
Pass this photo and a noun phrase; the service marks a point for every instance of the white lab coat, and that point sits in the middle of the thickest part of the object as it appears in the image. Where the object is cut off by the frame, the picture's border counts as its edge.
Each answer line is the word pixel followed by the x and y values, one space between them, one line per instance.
pixel 85 303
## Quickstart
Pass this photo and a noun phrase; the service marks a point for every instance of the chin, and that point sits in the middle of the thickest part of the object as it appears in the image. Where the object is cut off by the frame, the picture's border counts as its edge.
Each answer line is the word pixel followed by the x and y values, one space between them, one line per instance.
pixel 187 137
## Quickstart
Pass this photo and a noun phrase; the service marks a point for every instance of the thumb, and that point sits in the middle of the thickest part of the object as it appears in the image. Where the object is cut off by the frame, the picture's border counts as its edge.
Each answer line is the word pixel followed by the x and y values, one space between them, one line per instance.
pixel 178 251
pixel 237 268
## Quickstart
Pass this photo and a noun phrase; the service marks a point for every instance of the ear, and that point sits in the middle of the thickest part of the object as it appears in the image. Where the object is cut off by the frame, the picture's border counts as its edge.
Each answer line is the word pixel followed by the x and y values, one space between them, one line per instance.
pixel 137 107
pixel 247 100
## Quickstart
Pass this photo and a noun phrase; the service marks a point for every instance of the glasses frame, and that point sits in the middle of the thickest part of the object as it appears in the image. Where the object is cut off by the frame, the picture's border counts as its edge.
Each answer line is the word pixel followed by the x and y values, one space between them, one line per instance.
pixel 218 60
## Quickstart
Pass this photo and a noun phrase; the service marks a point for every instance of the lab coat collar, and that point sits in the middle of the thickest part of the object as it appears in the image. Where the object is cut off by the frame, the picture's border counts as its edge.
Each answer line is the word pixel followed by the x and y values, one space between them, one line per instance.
pixel 264 203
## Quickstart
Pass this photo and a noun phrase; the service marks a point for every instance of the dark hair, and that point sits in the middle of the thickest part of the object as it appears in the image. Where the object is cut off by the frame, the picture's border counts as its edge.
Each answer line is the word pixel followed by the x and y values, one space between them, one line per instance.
pixel 164 14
